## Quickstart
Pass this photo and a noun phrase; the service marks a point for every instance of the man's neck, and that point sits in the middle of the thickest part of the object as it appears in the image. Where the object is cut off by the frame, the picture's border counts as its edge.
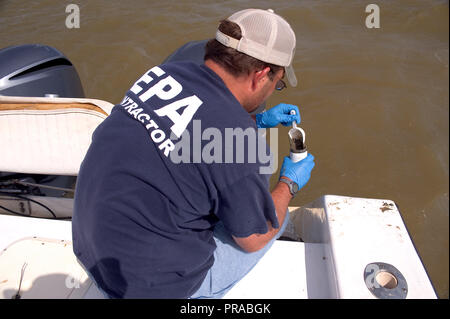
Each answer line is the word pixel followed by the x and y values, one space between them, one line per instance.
pixel 236 85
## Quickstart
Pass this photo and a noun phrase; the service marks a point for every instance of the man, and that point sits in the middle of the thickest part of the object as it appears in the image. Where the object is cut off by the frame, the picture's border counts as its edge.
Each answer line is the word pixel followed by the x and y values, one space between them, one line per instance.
pixel 147 227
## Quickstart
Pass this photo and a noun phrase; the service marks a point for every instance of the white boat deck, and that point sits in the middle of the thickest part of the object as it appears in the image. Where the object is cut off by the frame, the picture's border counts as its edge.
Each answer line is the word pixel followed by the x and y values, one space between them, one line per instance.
pixel 43 249
pixel 342 237
pixel 286 258
pixel 280 274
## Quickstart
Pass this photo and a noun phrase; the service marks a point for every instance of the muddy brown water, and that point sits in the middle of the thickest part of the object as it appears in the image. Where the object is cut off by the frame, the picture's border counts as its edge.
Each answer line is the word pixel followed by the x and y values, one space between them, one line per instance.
pixel 374 102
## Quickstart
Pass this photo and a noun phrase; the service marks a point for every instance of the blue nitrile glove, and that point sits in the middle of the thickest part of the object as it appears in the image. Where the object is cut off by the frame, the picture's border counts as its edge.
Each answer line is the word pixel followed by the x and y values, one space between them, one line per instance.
pixel 299 172
pixel 277 114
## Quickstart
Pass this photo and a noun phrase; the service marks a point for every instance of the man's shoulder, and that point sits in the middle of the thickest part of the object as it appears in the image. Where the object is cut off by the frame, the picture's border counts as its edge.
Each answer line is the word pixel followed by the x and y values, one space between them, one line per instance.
pixel 175 66
pixel 194 74
pixel 217 100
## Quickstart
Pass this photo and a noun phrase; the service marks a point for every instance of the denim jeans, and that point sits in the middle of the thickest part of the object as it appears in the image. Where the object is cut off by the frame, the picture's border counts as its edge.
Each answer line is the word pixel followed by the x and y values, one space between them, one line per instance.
pixel 231 263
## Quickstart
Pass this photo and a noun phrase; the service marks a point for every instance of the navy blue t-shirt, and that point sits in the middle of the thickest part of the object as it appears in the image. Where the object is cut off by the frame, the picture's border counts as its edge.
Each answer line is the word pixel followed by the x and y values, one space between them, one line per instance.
pixel 159 174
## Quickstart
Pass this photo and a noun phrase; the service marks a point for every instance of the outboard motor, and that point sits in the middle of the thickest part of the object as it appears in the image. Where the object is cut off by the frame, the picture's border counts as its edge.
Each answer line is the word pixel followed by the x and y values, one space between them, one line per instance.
pixel 37 70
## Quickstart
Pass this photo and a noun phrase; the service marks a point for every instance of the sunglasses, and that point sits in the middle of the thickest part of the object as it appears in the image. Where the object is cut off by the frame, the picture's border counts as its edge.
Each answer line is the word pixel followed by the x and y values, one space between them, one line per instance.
pixel 280 85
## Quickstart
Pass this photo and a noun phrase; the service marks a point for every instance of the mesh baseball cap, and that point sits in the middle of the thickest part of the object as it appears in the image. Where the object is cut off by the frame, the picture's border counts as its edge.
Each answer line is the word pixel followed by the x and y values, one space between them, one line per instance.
pixel 266 36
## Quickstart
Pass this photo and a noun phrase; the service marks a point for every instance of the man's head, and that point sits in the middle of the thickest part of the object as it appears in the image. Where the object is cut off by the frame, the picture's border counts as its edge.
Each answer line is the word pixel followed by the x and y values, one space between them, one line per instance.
pixel 258 46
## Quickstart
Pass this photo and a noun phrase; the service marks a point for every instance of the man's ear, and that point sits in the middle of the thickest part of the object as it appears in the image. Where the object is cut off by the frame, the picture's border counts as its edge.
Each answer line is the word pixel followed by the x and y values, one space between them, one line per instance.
pixel 259 78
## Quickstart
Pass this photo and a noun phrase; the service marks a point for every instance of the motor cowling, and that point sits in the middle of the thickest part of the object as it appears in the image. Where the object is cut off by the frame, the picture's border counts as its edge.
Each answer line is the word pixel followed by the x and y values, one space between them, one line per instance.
pixel 37 70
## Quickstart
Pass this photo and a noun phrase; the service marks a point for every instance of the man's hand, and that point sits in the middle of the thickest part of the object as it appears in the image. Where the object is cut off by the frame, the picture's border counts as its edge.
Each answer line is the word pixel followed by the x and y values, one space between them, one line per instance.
pixel 278 114
pixel 299 172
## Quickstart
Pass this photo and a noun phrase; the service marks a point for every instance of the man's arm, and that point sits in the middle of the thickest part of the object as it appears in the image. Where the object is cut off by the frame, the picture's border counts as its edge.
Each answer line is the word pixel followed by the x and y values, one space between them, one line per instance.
pixel 300 173
pixel 281 197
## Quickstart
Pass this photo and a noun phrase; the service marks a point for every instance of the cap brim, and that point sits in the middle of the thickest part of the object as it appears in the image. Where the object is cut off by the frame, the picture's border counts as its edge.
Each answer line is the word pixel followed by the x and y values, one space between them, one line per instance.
pixel 292 79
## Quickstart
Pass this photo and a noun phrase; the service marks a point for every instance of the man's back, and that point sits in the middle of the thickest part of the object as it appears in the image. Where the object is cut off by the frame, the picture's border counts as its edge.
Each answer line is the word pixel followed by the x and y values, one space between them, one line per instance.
pixel 143 223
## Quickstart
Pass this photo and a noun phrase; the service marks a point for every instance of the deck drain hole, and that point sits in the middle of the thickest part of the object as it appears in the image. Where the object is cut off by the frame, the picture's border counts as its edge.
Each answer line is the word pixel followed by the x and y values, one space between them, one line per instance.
pixel 386 279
